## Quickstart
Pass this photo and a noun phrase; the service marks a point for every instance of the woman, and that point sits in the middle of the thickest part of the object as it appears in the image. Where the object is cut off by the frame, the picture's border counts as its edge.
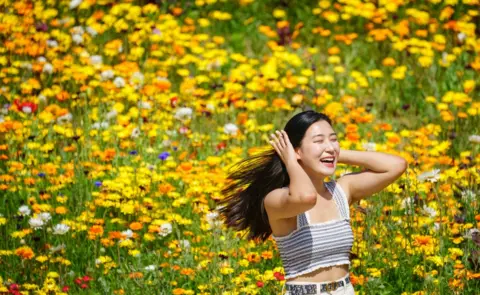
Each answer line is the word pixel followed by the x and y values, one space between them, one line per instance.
pixel 282 192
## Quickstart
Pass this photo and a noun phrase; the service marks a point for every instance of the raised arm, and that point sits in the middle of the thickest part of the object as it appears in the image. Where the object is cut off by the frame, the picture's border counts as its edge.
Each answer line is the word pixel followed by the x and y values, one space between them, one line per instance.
pixel 383 169
pixel 301 195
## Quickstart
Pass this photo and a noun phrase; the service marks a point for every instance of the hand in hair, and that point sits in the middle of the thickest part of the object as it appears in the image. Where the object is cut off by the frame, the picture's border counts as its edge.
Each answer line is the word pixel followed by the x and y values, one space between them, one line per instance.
pixel 282 145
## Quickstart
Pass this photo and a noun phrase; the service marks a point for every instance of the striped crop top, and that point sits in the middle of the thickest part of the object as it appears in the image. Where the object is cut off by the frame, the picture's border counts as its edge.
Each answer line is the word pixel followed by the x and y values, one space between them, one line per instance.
pixel 312 246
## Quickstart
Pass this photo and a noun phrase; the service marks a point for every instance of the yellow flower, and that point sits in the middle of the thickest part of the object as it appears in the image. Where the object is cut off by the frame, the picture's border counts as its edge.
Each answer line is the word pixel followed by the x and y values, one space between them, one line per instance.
pixel 279 13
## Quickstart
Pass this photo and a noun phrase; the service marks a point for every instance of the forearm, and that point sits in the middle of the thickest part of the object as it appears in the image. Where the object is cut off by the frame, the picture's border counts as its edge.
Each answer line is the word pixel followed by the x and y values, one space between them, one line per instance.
pixel 300 183
pixel 374 161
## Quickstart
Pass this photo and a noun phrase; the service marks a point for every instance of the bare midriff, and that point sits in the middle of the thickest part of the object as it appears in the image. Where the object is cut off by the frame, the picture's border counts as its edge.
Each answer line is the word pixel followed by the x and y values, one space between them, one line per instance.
pixel 331 273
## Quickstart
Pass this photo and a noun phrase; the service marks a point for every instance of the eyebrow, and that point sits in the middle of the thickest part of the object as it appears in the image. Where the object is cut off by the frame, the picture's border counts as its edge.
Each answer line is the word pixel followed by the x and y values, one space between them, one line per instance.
pixel 322 135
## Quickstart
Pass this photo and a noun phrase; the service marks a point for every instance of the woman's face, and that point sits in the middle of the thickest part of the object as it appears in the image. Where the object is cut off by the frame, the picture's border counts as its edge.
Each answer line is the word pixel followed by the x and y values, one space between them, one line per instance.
pixel 319 149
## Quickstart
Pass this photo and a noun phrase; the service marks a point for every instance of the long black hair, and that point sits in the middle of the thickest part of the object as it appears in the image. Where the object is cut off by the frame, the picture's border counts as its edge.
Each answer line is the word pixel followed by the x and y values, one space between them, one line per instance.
pixel 250 180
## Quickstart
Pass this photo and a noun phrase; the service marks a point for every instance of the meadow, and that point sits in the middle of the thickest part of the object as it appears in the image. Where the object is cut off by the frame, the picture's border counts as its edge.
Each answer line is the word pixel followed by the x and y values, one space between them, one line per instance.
pixel 119 122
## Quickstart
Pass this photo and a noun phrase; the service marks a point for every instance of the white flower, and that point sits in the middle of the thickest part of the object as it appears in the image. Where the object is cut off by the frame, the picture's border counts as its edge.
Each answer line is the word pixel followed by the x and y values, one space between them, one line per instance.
pixel 165 229
pixel 60 229
pixel 432 176
pixel 144 105
pixel 111 114
pixel 429 210
pixel 42 98
pixel 98 261
pixel 57 248
pixel 230 129
pixel 107 75
pixel 135 133
pixel 183 113
pixel 444 57
pixel 41 59
pixel 104 125
pixel 468 196
pixel 472 232
pixel 74 4
pixel 52 43
pixel 166 143
pixel 461 36
pixel 407 203
pixel 35 223
pixel 77 39
pixel 212 219
pixel 185 244
pixel 119 82
pixel 474 138
pixel 26 65
pixel 27 109
pixel 436 226
pixel 91 31
pixel 128 233
pixel 78 30
pixel 2 119
pixel 370 146
pixel 65 118
pixel 151 267
pixel 210 107
pixel 96 59
pixel 45 216
pixel 137 78
pixel 24 210
pixel 47 68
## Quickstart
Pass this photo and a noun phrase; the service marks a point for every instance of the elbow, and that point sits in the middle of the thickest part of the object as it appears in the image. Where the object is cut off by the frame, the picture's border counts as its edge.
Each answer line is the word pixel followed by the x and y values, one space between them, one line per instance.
pixel 401 166
pixel 309 199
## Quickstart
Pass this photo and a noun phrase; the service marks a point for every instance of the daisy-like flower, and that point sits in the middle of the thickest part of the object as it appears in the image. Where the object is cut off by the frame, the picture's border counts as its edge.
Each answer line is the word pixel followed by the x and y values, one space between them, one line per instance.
pixel 24 210
pixel 474 138
pixel 96 60
pixel 36 222
pixel 74 4
pixel 230 129
pixel 165 229
pixel 183 113
pixel 60 229
pixel 45 216
pixel 107 75
pixel 47 68
pixel 432 176
pixel 119 82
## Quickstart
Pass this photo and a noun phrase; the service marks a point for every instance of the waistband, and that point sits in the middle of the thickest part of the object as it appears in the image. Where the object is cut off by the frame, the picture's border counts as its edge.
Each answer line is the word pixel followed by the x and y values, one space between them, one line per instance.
pixel 295 288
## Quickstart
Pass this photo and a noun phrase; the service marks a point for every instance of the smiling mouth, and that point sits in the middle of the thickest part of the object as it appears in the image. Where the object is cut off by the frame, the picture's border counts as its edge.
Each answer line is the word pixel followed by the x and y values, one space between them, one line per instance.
pixel 329 160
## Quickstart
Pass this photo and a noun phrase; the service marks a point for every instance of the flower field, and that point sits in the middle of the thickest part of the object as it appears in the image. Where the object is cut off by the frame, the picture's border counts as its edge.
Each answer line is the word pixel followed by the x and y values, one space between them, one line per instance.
pixel 120 120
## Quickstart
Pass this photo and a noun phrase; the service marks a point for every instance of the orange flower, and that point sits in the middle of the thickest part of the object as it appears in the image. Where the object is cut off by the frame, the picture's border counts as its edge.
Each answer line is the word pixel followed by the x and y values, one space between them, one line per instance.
pixel 135 275
pixel 25 252
pixel 136 226
pixel 422 240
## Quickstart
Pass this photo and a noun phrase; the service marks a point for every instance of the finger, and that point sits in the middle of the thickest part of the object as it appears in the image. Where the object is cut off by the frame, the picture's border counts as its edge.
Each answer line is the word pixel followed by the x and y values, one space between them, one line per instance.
pixel 275 147
pixel 281 140
pixel 286 138
pixel 275 139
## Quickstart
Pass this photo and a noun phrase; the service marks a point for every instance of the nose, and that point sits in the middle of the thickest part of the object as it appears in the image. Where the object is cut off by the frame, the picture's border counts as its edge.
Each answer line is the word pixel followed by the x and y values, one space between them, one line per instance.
pixel 329 147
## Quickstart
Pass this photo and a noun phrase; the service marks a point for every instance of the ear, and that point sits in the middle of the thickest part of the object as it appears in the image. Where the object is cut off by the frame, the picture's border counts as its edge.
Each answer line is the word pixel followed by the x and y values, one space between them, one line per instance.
pixel 298 154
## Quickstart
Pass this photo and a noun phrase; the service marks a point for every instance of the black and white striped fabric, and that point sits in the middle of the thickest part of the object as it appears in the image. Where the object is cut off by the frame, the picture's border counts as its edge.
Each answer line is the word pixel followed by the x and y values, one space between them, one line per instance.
pixel 312 246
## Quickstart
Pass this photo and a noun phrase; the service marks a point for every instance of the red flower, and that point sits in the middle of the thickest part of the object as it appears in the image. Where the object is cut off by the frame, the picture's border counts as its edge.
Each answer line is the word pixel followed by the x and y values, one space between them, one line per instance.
pixel 84 286
pixel 260 284
pixel 65 289
pixel 26 107
pixel 221 146
pixel 86 278
pixel 78 281
pixel 173 101
pixel 279 276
